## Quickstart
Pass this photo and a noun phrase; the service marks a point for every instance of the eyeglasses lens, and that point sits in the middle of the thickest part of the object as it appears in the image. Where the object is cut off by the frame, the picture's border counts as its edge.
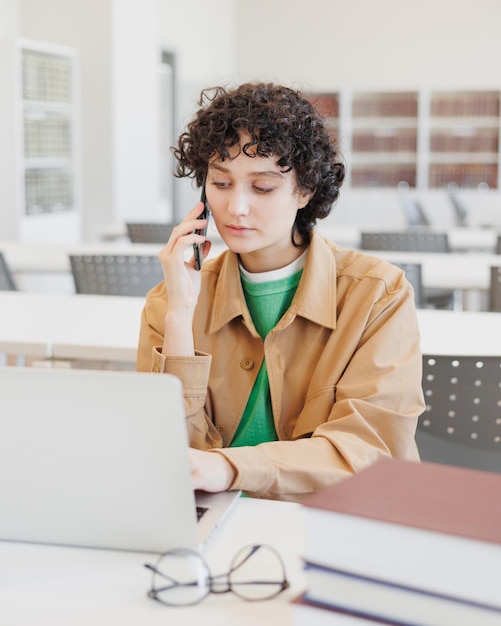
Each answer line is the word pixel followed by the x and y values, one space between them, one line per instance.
pixel 257 573
pixel 183 578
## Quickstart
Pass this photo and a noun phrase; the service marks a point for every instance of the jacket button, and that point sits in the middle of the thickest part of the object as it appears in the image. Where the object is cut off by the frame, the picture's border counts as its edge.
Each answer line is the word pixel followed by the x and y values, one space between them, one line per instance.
pixel 246 364
pixel 220 429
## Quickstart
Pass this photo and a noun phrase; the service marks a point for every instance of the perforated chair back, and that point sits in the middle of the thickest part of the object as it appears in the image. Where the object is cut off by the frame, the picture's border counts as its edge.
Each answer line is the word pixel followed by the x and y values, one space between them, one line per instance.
pixel 413 273
pixel 495 289
pixel 6 278
pixel 115 274
pixel 406 240
pixel 149 232
pixel 462 421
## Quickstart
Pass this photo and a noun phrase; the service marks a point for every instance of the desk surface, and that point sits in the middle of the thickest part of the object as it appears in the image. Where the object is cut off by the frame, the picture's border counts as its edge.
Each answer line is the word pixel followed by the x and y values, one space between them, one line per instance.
pixel 466 267
pixel 107 327
pixel 460 333
pixel 70 326
pixel 460 239
pixel 453 270
pixel 350 235
pixel 54 258
pixel 61 586
pixel 39 258
pixel 50 258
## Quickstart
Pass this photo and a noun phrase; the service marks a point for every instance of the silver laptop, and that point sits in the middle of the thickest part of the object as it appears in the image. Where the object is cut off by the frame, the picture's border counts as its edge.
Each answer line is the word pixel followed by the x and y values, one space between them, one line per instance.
pixel 99 459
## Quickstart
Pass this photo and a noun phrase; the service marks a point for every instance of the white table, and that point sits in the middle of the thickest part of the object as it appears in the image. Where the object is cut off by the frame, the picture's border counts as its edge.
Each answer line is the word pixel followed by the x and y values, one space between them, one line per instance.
pixel 61 586
pixel 454 270
pixel 461 333
pixel 46 267
pixel 107 328
pixel 69 326
pixel 54 258
pixel 47 258
pixel 460 239
pixel 472 239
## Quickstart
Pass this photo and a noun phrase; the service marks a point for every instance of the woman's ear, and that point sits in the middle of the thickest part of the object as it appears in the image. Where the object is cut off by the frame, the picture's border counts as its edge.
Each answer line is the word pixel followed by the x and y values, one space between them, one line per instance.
pixel 303 198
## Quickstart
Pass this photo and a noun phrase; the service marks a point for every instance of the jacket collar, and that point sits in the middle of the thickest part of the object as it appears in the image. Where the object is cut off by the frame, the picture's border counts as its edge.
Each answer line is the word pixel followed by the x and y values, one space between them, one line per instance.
pixel 315 297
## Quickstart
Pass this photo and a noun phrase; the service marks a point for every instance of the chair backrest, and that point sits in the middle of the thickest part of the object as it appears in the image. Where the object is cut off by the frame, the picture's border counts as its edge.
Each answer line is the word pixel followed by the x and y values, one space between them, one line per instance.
pixel 460 210
pixel 150 232
pixel 115 274
pixel 495 289
pixel 462 421
pixel 414 213
pixel 413 273
pixel 406 240
pixel 6 278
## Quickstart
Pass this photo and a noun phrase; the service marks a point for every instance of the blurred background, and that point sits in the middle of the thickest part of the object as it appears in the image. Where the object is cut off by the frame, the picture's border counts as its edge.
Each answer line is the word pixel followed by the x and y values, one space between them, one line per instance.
pixel 94 93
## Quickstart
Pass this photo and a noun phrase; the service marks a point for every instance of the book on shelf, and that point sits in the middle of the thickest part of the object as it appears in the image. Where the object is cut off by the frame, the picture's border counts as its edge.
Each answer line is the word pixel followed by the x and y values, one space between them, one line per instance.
pixel 306 613
pixel 429 526
pixel 399 604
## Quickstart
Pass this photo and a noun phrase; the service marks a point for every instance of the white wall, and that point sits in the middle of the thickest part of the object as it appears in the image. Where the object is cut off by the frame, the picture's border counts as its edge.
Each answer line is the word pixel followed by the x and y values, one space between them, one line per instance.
pixel 135 115
pixel 202 34
pixel 331 44
pixel 9 26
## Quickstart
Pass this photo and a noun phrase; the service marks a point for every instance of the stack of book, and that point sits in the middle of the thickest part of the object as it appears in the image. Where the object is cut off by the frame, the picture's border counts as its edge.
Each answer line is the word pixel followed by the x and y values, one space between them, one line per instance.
pixel 404 543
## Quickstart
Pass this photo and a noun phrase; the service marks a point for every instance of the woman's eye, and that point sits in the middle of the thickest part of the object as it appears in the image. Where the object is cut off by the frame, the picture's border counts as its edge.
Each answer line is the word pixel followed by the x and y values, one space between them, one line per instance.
pixel 263 189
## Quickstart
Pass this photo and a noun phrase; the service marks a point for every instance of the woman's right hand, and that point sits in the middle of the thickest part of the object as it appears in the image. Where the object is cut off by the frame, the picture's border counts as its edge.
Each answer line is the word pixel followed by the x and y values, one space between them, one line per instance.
pixel 182 281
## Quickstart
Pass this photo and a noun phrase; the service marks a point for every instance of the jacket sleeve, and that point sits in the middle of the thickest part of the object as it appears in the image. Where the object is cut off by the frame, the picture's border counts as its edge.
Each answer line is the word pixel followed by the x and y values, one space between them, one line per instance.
pixel 376 403
pixel 192 371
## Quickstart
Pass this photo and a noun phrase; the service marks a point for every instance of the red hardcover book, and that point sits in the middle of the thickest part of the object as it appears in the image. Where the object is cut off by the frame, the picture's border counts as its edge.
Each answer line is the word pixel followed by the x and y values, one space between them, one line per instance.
pixel 425 525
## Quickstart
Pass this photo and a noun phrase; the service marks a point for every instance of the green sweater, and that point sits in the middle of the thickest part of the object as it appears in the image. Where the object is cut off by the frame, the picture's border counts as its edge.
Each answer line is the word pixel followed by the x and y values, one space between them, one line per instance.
pixel 267 302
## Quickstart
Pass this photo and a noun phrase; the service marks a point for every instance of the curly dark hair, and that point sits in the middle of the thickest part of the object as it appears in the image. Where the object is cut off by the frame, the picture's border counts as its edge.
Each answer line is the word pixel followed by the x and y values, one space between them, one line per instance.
pixel 279 121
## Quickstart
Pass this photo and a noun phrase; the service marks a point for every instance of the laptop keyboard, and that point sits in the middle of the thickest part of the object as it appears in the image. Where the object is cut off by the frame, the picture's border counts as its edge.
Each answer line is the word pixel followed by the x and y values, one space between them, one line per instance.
pixel 201 511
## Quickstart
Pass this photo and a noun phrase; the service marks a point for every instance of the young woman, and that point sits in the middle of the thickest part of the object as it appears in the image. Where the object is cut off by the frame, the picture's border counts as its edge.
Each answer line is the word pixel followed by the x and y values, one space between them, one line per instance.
pixel 300 360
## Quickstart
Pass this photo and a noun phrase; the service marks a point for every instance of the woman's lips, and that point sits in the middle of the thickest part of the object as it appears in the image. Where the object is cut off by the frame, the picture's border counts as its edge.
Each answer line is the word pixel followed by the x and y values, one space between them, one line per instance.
pixel 238 230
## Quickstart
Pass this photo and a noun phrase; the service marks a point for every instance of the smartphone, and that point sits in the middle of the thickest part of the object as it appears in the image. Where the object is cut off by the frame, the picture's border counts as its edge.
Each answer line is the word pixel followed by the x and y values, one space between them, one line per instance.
pixel 197 248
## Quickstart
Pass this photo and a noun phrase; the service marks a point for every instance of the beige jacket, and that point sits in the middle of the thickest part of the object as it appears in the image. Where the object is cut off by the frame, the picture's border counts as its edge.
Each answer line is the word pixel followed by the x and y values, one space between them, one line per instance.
pixel 344 366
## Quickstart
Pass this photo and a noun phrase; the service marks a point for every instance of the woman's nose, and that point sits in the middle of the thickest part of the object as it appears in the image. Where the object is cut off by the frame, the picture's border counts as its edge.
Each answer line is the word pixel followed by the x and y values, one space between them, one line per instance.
pixel 238 203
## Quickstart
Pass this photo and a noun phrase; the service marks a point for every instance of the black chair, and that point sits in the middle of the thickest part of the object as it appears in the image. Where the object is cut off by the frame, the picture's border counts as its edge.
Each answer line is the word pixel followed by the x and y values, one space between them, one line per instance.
pixel 406 240
pixel 495 289
pixel 149 232
pixel 462 422
pixel 7 282
pixel 115 274
pixel 414 241
pixel 413 273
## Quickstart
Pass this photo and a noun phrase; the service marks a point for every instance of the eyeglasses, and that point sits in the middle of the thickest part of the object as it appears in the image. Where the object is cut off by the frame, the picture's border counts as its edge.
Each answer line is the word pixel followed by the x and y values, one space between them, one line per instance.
pixel 181 577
